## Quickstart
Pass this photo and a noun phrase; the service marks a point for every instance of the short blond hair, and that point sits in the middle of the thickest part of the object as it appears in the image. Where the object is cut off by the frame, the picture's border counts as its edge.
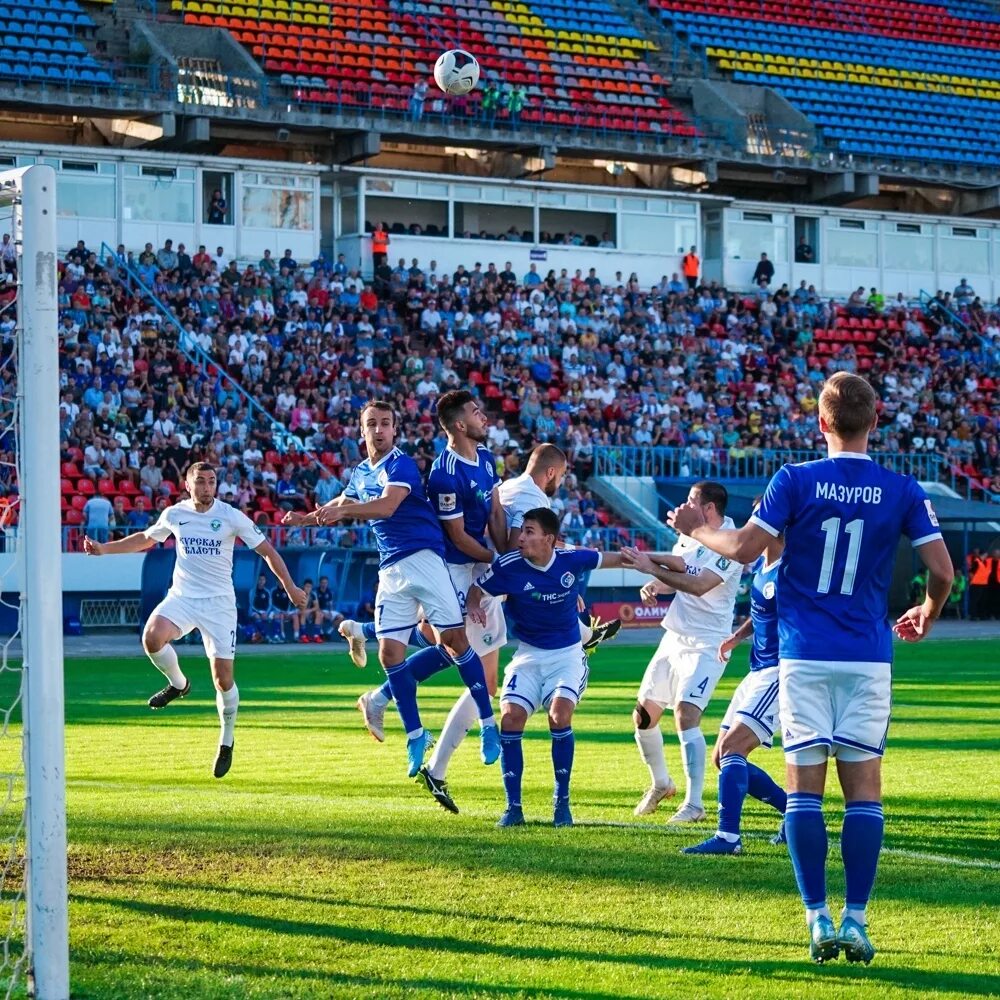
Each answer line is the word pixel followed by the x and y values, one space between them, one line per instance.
pixel 848 405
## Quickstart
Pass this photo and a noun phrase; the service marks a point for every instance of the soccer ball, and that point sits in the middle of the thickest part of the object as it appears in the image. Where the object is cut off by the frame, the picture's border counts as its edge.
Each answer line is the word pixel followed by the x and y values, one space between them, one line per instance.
pixel 456 72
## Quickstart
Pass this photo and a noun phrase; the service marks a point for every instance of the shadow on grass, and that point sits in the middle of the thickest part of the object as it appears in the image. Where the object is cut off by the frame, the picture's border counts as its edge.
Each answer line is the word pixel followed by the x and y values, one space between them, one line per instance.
pixel 924 982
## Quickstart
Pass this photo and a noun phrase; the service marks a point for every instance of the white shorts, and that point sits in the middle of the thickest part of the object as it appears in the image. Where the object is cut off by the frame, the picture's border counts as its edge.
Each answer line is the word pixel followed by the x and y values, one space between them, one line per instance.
pixel 682 669
pixel 213 617
pixel 414 588
pixel 834 709
pixel 493 635
pixel 755 704
pixel 535 676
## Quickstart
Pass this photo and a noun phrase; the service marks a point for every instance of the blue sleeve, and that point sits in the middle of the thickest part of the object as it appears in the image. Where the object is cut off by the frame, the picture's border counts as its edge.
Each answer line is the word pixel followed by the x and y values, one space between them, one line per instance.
pixel 586 559
pixel 444 494
pixel 920 523
pixel 776 508
pixel 496 580
pixel 352 491
pixel 402 471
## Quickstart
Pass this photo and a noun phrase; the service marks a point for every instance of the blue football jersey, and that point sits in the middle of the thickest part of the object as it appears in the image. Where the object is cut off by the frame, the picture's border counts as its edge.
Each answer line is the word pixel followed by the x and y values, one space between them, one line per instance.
pixel 764 615
pixel 413 527
pixel 842 518
pixel 541 600
pixel 457 487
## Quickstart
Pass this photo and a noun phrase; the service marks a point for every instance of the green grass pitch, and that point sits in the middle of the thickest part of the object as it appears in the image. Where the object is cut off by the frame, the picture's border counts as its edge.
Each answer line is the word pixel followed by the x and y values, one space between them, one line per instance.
pixel 317 870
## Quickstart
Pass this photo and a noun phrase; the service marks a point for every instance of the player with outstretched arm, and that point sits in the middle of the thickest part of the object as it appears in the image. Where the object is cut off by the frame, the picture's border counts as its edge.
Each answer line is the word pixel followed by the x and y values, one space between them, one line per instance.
pixel 413 581
pixel 842 518
pixel 201 594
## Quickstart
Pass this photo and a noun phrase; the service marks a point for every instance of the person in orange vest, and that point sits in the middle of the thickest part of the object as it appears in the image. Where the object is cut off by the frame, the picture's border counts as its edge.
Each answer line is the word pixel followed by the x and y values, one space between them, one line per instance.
pixel 380 245
pixel 993 587
pixel 981 569
pixel 691 266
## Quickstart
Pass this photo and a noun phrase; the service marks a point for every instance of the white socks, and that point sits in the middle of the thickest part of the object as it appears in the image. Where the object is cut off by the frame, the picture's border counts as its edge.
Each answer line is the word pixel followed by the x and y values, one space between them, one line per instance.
pixel 462 717
pixel 859 915
pixel 821 911
pixel 693 752
pixel 586 633
pixel 227 702
pixel 166 662
pixel 378 699
pixel 650 743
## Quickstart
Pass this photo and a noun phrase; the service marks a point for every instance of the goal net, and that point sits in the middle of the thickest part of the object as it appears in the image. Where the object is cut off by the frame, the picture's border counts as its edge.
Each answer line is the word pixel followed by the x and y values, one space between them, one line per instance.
pixel 33 900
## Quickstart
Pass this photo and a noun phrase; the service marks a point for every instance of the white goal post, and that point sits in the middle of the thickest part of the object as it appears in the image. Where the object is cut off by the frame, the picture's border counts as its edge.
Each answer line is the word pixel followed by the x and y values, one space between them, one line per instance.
pixel 39 547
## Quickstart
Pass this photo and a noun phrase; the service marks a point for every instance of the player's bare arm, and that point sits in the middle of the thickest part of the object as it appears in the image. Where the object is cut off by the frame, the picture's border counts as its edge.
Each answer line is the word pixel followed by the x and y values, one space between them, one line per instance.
pixel 136 542
pixel 474 605
pixel 454 528
pixel 277 566
pixel 915 624
pixel 742 545
pixel 296 519
pixel 684 582
pixel 727 646
pixel 497 524
pixel 370 510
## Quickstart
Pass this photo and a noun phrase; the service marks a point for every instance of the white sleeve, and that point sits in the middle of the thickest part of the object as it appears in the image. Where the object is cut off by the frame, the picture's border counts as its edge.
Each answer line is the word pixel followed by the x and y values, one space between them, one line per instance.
pixel 245 529
pixel 160 530
pixel 704 558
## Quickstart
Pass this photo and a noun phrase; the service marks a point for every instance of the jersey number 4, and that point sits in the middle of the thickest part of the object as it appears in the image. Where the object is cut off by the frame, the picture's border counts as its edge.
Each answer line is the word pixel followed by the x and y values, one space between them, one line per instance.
pixel 831 529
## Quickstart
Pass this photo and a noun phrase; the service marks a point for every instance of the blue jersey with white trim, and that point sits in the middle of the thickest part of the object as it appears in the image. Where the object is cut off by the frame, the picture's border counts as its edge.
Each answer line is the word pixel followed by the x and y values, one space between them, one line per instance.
pixel 842 518
pixel 764 615
pixel 457 487
pixel 541 600
pixel 413 526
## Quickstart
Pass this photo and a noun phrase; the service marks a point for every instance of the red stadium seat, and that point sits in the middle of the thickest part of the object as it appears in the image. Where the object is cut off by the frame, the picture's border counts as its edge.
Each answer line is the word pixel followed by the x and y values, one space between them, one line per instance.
pixel 105 487
pixel 85 487
pixel 79 502
pixel 70 470
pixel 73 517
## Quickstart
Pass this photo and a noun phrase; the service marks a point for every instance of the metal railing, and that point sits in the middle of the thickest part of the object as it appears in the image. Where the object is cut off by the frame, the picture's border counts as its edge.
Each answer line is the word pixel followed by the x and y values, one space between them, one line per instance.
pixel 741 463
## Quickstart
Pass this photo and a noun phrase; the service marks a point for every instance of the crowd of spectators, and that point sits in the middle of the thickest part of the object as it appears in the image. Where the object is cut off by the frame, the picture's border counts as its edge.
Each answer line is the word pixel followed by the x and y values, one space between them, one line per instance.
pixel 581 360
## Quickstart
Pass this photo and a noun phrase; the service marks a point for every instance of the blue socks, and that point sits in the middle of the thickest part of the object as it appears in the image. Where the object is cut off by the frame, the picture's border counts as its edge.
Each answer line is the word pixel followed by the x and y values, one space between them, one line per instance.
pixel 733 783
pixel 404 690
pixel 512 763
pixel 563 745
pixel 416 636
pixel 470 669
pixel 807 846
pixel 764 788
pixel 422 665
pixel 860 844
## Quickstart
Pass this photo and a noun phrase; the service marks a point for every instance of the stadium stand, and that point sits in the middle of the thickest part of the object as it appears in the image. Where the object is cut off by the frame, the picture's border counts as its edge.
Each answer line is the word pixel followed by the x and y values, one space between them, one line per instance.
pixel 900 80
pixel 44 41
pixel 712 374
pixel 577 64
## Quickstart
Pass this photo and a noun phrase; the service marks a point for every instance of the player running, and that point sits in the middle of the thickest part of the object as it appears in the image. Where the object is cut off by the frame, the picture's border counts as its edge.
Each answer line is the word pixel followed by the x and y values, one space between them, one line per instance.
pixel 413 580
pixel 201 594
pixel 842 518
pixel 549 668
pixel 752 716
pixel 685 668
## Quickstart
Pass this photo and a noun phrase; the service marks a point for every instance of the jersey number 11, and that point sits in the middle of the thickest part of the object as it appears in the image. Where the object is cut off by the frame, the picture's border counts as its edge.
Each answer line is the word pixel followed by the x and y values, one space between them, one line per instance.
pixel 831 528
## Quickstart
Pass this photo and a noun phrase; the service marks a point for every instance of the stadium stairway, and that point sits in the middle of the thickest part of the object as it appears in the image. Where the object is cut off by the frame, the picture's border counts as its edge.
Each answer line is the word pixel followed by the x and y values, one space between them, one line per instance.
pixel 634 498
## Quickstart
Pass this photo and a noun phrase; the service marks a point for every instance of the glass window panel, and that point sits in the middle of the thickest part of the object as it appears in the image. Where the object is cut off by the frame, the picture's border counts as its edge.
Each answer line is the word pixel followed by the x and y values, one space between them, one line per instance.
pixel 271 208
pixel 407 215
pixel 845 248
pixel 965 255
pixel 85 197
pixel 467 192
pixel 907 252
pixel 575 228
pixel 645 235
pixel 152 199
pixel 348 216
pixel 432 189
pixel 488 222
pixel 748 240
pixel 602 201
pixel 683 208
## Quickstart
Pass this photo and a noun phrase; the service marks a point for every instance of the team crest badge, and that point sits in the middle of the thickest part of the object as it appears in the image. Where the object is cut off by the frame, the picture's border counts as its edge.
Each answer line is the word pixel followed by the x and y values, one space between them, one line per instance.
pixel 216 524
pixel 567 580
pixel 382 478
pixel 769 589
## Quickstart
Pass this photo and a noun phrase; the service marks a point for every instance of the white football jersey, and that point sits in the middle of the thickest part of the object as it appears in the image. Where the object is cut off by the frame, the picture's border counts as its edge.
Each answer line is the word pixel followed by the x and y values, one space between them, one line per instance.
pixel 204 566
pixel 710 616
pixel 518 496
